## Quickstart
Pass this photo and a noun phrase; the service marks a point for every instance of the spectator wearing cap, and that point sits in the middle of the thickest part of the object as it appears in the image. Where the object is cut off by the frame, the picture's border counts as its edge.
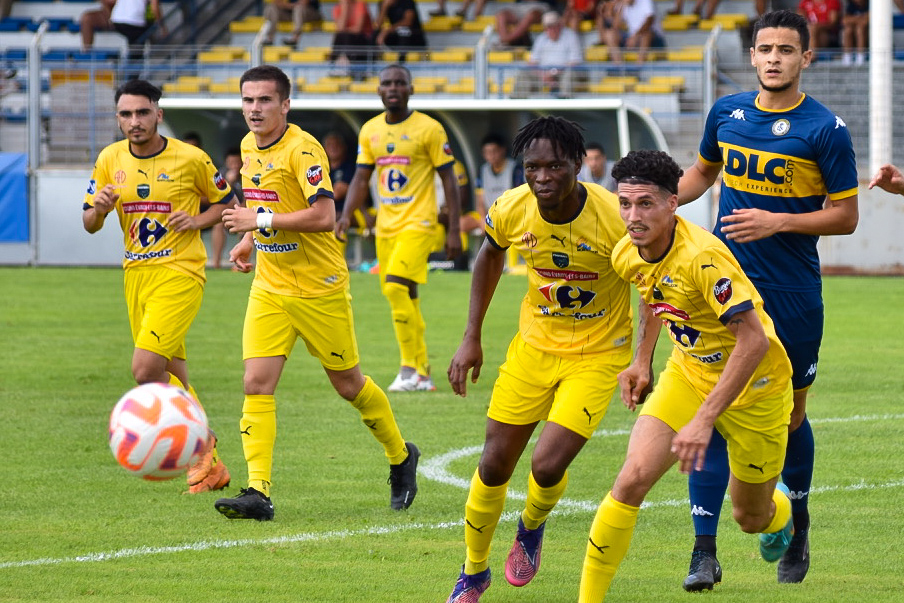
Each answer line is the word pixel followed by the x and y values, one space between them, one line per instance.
pixel 553 57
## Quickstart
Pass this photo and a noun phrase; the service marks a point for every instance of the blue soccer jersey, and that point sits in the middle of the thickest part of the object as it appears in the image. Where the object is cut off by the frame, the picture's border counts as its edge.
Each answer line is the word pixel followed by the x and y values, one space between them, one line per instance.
pixel 785 161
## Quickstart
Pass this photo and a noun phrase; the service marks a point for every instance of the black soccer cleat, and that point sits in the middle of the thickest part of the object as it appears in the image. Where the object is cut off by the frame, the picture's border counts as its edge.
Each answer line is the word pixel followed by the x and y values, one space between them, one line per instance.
pixel 704 572
pixel 249 504
pixel 403 480
pixel 795 563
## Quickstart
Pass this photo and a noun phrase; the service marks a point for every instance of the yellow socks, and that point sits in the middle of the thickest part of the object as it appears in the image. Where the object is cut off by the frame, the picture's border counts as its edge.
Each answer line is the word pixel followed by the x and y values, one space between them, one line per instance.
pixel 258 427
pixel 782 512
pixel 404 317
pixel 420 357
pixel 376 413
pixel 610 536
pixel 482 513
pixel 541 501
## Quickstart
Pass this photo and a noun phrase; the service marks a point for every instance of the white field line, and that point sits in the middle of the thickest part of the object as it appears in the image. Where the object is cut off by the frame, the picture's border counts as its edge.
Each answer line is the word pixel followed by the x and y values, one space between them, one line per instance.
pixel 434 469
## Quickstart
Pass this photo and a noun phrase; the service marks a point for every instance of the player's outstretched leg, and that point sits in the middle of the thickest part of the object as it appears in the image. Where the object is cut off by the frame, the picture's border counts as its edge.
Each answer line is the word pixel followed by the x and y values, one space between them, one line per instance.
pixel 403 479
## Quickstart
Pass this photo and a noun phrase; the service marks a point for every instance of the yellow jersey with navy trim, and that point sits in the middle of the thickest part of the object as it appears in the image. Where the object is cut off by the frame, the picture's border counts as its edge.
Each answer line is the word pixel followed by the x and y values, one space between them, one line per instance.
pixel 695 289
pixel 784 161
pixel 150 190
pixel 287 176
pixel 405 156
pixel 576 305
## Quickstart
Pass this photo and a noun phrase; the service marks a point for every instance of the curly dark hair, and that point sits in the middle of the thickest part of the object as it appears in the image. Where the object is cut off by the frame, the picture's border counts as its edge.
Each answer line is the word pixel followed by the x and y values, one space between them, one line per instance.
pixel 564 134
pixel 648 167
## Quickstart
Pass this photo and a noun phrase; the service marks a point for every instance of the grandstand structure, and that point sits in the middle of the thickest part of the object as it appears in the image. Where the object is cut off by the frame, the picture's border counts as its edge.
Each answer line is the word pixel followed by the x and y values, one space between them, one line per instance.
pixel 57 108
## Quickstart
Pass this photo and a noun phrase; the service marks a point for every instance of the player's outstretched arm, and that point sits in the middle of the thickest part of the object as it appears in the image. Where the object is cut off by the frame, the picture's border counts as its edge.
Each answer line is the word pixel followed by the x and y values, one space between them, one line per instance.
pixel 696 180
pixel 691 441
pixel 888 178
pixel 487 270
pixel 354 200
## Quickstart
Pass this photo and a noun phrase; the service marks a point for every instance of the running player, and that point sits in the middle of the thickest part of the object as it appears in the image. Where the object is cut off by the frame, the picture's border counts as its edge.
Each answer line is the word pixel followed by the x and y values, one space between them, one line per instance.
pixel 405 147
pixel 300 290
pixel 727 371
pixel 155 185
pixel 789 177
pixel 574 337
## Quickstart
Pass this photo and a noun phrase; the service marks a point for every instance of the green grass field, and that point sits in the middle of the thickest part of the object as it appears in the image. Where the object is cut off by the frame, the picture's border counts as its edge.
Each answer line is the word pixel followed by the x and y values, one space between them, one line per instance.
pixel 75 527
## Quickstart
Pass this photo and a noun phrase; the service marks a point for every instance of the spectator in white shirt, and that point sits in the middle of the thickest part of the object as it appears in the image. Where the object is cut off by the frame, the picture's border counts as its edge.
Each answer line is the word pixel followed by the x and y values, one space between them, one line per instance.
pixel 553 57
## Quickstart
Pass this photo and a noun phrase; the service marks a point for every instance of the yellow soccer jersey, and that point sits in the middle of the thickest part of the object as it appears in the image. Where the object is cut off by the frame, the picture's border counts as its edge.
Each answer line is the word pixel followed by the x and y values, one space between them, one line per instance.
pixel 404 156
pixel 575 304
pixel 284 177
pixel 152 188
pixel 695 289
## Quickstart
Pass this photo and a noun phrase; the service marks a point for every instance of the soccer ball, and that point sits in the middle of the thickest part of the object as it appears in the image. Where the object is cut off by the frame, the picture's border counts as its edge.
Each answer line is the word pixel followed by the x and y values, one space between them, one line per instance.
pixel 158 431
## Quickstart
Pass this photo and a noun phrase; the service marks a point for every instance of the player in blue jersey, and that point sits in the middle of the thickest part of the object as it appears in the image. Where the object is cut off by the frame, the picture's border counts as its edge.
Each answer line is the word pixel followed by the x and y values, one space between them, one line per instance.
pixel 788 177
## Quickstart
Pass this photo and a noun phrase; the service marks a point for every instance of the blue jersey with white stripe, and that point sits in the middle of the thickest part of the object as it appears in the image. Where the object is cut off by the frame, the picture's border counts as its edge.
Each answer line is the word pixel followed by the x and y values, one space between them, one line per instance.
pixel 785 161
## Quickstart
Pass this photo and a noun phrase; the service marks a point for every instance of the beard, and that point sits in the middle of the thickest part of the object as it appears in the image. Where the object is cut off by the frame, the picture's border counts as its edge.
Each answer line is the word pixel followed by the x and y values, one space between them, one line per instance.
pixel 767 88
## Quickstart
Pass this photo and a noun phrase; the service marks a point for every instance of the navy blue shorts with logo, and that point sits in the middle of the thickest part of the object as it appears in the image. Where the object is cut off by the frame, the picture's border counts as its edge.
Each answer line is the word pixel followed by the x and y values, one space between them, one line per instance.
pixel 798 318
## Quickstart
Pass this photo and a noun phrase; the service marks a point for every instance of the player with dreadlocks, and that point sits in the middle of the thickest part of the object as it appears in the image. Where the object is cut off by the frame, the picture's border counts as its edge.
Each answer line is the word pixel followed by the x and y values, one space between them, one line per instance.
pixel 574 337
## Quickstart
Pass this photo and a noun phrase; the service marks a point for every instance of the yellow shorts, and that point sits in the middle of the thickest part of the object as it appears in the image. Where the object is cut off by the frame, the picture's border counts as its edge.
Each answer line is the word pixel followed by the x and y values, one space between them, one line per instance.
pixel 273 323
pixel 162 304
pixel 757 434
pixel 405 255
pixel 571 392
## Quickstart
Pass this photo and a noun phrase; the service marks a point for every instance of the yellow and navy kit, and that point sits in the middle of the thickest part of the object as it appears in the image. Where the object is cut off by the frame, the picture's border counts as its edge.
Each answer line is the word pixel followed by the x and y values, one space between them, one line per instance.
pixel 784 161
pixel 575 304
pixel 287 176
pixel 695 289
pixel 150 190
pixel 405 156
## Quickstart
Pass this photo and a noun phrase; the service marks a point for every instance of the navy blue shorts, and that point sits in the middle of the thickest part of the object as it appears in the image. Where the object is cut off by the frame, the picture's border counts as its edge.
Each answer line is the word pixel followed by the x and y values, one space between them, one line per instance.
pixel 798 318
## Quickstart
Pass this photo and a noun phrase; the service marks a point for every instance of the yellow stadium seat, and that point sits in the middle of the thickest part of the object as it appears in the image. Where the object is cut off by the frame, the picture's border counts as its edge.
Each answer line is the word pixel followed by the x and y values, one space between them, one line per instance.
pixel 451 56
pixel 230 86
pixel 653 88
pixel 324 86
pixel 310 55
pixel 463 86
pixel 686 54
pixel 501 56
pixel 606 87
pixel 478 24
pixel 365 87
pixel 675 81
pixel 276 54
pixel 596 53
pixel 211 56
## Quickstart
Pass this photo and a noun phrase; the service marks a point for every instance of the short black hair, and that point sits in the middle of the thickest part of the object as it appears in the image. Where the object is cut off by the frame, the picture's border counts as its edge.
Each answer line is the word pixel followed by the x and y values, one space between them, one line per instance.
pixel 269 73
pixel 595 146
pixel 139 88
pixel 192 135
pixel 233 151
pixel 784 19
pixel 565 136
pixel 648 167
pixel 493 138
pixel 396 66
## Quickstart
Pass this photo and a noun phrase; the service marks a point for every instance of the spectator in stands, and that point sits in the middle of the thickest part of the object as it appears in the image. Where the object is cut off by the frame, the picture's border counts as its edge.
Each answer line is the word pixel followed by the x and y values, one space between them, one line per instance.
pixel 97 19
pixel 298 12
pixel 553 57
pixel 342 167
pixel 513 24
pixel 641 30
pixel 400 27
pixel 130 18
pixel 824 21
pixel 461 12
pixel 353 34
pixel 193 138
pixel 6 7
pixel 577 11
pixel 498 174
pixel 855 32
pixel 705 9
pixel 595 168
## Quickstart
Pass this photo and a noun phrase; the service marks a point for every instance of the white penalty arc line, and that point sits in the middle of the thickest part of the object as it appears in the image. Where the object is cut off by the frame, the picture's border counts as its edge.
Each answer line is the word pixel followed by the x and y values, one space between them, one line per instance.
pixel 434 469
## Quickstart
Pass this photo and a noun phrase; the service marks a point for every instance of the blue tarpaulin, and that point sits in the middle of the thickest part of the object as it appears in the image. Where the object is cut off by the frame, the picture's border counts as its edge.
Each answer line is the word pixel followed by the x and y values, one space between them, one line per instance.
pixel 13 198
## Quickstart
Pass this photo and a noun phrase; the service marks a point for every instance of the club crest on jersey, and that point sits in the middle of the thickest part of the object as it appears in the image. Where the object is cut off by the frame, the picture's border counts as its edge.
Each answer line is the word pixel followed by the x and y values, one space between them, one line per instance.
pixel 314 175
pixel 529 240
pixel 781 127
pixel 390 147
pixel 143 190
pixel 722 290
pixel 657 294
pixel 560 259
pixel 256 179
pixel 219 181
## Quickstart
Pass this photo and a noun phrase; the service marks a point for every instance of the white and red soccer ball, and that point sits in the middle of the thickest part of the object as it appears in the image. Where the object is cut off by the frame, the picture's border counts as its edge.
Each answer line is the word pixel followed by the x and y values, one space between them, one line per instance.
pixel 158 431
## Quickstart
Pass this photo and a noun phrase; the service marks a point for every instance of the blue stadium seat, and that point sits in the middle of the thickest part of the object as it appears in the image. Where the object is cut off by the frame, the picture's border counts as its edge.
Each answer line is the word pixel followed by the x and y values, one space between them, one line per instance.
pixel 15 54
pixel 60 24
pixel 897 21
pixel 17 24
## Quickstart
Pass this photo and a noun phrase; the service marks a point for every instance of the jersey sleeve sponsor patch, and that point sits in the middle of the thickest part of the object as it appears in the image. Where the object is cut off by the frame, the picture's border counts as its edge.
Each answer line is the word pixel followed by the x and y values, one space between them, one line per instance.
pixel 722 290
pixel 314 175
pixel 219 181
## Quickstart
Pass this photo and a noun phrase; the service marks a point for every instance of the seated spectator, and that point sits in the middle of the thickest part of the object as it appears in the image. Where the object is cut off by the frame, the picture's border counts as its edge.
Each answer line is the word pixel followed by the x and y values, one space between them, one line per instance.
pixel 513 24
pixel 400 27
pixel 92 20
pixel 823 20
pixel 705 9
pixel 440 9
pixel 130 18
pixel 577 11
pixel 298 12
pixel 641 30
pixel 855 32
pixel 595 168
pixel 354 32
pixel 552 58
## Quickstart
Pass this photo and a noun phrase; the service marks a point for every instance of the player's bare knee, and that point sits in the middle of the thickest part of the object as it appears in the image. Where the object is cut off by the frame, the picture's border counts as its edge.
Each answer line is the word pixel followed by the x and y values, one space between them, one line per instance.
pixel 749 520
pixel 547 472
